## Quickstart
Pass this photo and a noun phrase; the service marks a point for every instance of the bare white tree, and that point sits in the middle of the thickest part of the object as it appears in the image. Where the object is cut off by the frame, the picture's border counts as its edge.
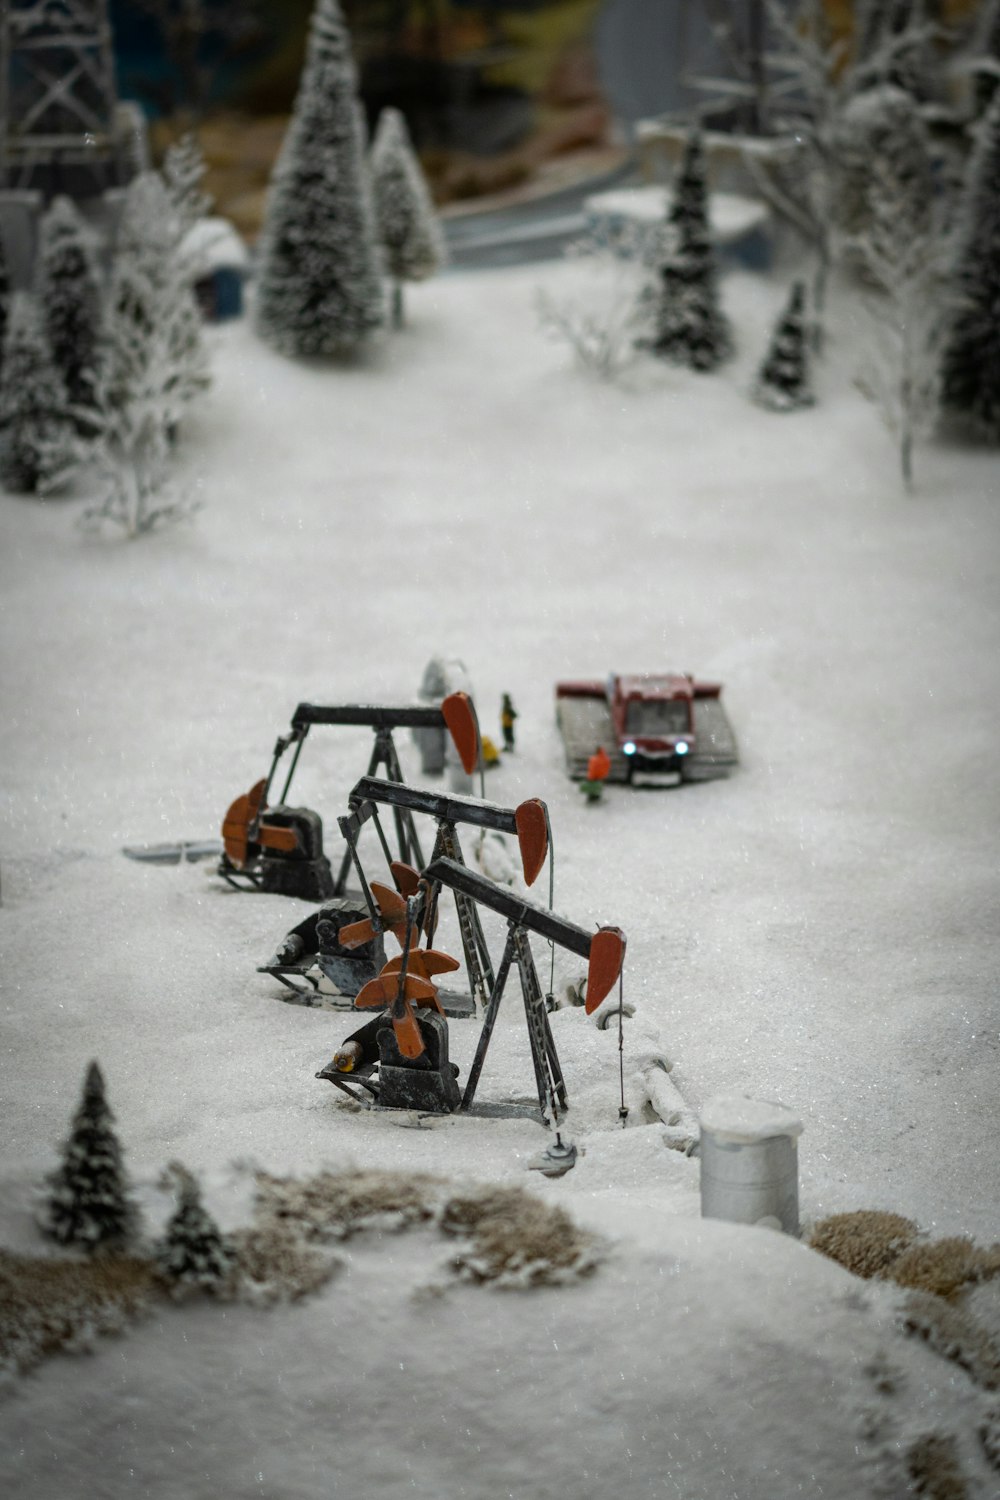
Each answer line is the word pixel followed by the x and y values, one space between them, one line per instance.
pixel 153 367
pixel 807 74
pixel 905 264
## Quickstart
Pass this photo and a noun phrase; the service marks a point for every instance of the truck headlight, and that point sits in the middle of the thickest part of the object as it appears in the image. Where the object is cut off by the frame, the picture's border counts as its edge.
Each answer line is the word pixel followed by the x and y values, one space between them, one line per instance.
pixel 682 747
pixel 628 748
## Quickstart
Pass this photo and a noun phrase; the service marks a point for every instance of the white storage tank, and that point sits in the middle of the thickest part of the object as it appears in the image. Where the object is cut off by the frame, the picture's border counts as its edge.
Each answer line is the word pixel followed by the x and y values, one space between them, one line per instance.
pixel 749 1162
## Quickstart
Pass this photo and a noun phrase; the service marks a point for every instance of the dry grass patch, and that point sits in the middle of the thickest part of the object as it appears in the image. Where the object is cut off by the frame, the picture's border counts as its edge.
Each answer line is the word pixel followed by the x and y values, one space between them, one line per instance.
pixel 867 1242
pixel 934 1470
pixel 516 1240
pixel 944 1267
pixel 955 1335
pixel 274 1264
pixel 52 1305
pixel 335 1205
pixel 989 1435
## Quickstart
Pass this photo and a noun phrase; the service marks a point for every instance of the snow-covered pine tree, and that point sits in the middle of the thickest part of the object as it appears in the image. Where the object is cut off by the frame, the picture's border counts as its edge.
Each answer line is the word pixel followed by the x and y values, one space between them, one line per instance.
pixel 986 56
pixel 319 289
pixel 782 382
pixel 194 1253
pixel 69 291
pixel 690 327
pixel 406 223
pixel 971 366
pixel 4 301
pixel 33 420
pixel 154 365
pixel 882 135
pixel 88 1202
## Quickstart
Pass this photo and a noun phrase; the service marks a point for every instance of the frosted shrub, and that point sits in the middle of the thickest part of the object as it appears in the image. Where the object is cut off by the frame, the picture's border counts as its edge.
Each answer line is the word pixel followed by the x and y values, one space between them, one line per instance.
pixel 601 319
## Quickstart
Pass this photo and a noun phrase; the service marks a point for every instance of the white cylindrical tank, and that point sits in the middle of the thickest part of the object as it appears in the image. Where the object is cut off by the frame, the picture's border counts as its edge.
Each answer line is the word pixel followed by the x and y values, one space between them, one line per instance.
pixel 749 1162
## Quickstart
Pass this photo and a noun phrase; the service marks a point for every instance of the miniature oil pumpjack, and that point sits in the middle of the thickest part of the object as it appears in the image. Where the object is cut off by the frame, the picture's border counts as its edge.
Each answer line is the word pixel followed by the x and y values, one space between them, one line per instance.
pixel 400 1058
pixel 344 940
pixel 528 823
pixel 360 1059
pixel 280 848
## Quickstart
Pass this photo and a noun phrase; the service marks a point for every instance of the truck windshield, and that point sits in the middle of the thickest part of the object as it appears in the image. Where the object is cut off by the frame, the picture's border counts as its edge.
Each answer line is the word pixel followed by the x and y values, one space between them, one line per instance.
pixel 658 717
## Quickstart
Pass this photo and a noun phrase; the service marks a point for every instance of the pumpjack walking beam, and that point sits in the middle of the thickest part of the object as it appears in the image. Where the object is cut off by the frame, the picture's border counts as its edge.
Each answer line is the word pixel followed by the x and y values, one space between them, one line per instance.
pixel 604 951
pixel 384 754
pixel 528 823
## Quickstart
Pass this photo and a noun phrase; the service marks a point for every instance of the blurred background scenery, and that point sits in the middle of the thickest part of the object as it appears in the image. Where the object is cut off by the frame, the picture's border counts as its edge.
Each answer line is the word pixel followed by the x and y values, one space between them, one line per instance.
pixel 505 100
pixel 499 95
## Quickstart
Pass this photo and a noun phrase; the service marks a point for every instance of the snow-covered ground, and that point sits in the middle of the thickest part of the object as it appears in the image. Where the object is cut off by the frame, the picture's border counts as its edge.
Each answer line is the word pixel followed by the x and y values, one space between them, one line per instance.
pixel 820 929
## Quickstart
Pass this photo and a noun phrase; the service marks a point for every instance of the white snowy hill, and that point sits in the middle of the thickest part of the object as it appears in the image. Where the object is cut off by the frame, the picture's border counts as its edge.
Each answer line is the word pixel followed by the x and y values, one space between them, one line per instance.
pixel 820 929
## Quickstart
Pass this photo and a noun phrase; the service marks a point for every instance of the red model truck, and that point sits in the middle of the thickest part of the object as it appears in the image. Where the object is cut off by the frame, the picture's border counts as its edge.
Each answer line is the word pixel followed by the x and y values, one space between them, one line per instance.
pixel 654 726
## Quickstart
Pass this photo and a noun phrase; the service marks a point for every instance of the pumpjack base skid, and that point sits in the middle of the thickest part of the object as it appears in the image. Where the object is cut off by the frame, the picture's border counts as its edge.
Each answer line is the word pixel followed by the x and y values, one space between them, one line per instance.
pixel 456 1005
pixel 362 1087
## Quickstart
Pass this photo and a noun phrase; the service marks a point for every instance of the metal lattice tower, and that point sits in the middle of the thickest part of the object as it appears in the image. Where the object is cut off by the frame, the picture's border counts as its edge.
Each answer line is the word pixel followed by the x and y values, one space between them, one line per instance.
pixel 58 100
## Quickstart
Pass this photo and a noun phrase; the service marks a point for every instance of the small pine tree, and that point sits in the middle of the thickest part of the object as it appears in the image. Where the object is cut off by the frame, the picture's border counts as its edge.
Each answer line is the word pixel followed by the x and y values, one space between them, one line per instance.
pixel 69 292
pixel 407 226
pixel 783 379
pixel 88 1203
pixel 971 365
pixel 194 1254
pixel 33 423
pixel 319 287
pixel 690 327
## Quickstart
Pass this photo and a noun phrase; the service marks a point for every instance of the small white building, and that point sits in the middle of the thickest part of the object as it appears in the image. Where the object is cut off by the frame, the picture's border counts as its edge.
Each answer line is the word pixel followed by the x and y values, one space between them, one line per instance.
pixel 220 263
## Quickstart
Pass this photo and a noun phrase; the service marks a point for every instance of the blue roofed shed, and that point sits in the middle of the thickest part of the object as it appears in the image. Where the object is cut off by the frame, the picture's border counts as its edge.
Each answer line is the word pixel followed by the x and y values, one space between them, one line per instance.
pixel 219 263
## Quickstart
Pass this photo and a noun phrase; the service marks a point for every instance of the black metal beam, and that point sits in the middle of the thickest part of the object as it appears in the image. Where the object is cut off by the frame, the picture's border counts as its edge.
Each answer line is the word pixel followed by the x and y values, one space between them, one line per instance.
pixel 500 898
pixel 410 716
pixel 449 809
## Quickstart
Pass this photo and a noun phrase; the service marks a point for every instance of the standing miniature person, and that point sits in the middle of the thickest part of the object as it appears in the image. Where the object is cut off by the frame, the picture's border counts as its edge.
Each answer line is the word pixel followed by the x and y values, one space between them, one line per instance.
pixel 508 713
pixel 598 767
